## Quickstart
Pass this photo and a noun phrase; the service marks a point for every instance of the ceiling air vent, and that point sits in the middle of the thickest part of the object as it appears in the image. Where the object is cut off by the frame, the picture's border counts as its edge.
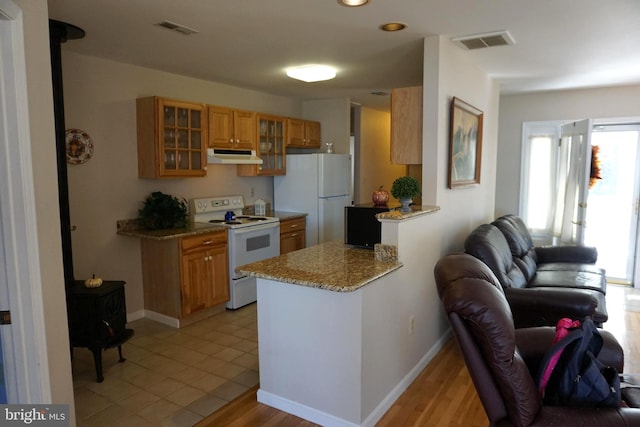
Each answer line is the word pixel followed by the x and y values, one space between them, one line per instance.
pixel 177 27
pixel 478 41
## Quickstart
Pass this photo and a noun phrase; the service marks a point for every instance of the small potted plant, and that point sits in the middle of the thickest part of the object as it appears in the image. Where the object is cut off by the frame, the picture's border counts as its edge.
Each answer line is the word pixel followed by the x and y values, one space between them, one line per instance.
pixel 404 189
pixel 161 211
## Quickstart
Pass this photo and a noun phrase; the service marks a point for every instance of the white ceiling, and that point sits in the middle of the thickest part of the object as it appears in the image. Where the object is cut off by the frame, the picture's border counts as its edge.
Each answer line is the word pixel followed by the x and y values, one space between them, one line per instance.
pixel 248 43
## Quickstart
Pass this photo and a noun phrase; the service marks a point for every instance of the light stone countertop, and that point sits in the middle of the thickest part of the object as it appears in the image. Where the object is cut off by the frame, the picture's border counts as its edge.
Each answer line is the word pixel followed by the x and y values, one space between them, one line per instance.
pixel 397 214
pixel 333 266
pixel 130 227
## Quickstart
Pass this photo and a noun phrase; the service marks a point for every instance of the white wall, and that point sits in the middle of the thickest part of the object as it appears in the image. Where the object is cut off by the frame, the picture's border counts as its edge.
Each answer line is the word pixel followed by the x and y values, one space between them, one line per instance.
pixel 334 116
pixel 449 71
pixel 100 98
pixel 600 103
pixel 40 97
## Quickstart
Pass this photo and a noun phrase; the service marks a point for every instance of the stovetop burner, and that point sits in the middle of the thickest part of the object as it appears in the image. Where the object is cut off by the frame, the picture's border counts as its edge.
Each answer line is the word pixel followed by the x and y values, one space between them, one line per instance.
pixel 214 209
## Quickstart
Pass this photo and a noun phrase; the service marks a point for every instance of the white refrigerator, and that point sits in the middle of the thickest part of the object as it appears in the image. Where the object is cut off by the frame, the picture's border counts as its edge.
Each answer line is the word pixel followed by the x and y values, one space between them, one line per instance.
pixel 320 185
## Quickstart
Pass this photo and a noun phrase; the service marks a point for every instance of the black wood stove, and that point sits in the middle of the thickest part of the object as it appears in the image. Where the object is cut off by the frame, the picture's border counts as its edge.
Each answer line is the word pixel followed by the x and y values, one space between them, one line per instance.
pixel 97 316
pixel 97 319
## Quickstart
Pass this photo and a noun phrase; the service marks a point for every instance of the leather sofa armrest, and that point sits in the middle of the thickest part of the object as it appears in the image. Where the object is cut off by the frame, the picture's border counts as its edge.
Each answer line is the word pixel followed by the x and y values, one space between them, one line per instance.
pixel 577 254
pixel 545 306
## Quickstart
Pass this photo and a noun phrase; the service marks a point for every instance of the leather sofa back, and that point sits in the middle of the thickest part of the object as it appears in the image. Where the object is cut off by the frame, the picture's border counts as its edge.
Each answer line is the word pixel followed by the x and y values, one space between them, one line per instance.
pixel 488 244
pixel 520 244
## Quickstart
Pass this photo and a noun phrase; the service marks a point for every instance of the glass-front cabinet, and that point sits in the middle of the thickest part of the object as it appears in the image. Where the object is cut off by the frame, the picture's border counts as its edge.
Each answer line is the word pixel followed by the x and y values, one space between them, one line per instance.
pixel 271 147
pixel 172 138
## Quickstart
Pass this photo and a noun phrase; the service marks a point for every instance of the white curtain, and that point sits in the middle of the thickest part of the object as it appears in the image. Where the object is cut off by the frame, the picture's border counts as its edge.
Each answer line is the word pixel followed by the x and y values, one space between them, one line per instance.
pixel 568 176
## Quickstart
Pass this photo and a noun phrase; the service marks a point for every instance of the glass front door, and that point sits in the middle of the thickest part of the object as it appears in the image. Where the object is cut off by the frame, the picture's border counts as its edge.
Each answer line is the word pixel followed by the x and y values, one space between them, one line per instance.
pixel 612 209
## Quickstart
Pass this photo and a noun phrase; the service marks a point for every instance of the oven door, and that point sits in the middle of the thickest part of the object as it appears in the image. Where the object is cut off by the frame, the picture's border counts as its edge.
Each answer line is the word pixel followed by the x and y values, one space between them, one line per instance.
pixel 251 244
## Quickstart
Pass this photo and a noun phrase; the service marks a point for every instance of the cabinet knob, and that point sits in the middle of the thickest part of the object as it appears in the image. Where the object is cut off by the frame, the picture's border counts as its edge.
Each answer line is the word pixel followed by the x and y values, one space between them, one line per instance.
pixel 207 242
pixel 231 141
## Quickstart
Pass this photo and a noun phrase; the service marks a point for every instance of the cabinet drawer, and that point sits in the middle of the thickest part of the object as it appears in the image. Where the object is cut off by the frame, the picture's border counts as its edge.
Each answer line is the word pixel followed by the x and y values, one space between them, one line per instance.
pixel 203 240
pixel 290 225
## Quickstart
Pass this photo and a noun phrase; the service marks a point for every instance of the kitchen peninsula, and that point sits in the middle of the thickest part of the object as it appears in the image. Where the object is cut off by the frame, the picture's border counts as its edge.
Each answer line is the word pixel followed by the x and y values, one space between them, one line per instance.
pixel 338 326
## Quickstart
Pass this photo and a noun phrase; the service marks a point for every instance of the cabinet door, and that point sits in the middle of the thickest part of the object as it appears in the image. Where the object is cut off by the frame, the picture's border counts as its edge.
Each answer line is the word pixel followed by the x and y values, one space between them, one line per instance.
pixel 406 125
pixel 219 270
pixel 244 130
pixel 220 127
pixel 171 138
pixel 270 147
pixel 290 242
pixel 295 133
pixel 196 282
pixel 312 134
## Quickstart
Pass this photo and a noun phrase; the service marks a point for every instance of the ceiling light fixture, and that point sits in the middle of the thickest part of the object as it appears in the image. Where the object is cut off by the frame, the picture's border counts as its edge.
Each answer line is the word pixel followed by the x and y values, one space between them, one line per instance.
pixel 393 26
pixel 352 3
pixel 312 73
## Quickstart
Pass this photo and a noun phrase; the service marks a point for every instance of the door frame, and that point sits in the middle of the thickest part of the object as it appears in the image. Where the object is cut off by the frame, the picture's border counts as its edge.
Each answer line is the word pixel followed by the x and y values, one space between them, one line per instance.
pixel 24 341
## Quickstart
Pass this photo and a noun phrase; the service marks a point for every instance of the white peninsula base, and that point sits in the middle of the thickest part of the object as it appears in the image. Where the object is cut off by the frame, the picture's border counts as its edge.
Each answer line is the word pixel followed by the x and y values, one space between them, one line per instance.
pixel 324 356
pixel 342 334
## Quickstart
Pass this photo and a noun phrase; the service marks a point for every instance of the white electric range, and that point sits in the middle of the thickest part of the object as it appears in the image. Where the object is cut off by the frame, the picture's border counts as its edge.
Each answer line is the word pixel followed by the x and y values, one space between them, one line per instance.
pixel 251 238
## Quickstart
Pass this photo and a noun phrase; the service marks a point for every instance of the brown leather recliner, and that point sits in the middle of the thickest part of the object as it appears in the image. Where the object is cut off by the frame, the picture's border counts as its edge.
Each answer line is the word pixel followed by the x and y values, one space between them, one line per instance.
pixel 503 360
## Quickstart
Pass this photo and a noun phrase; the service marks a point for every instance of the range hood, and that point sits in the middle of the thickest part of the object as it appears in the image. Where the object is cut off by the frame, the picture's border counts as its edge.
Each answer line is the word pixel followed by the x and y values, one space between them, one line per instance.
pixel 232 157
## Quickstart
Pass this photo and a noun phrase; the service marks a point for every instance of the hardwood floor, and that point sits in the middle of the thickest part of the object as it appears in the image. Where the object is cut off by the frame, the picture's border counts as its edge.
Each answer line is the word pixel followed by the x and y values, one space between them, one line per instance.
pixel 443 394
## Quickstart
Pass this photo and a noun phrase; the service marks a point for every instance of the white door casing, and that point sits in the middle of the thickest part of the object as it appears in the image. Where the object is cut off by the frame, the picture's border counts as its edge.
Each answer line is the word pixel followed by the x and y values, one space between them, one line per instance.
pixel 24 341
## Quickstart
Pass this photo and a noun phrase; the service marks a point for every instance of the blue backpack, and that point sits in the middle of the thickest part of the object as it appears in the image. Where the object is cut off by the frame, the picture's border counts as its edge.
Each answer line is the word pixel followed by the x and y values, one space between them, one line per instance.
pixel 578 378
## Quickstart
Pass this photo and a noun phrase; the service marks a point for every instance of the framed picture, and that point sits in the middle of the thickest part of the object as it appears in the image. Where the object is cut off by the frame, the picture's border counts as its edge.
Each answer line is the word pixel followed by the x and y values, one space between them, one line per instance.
pixel 465 144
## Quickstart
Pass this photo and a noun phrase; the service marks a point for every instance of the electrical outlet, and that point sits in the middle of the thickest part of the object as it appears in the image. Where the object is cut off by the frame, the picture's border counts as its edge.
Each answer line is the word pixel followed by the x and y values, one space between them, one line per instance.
pixel 412 324
pixel 253 192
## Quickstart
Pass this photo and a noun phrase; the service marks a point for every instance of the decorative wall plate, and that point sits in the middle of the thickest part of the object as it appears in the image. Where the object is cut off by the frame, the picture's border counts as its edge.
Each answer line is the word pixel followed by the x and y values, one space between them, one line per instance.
pixel 79 146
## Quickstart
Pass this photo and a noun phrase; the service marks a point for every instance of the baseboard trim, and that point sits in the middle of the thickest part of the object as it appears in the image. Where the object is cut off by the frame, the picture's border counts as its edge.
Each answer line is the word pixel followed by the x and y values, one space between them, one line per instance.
pixel 302 411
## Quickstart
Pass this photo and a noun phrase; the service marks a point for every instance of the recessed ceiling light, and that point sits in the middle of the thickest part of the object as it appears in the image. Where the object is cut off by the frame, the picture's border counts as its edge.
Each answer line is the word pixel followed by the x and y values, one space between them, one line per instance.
pixel 352 3
pixel 312 73
pixel 393 26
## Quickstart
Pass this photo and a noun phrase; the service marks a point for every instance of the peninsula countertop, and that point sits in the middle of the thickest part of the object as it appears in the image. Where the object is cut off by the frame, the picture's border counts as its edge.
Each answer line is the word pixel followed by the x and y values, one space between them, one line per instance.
pixel 332 266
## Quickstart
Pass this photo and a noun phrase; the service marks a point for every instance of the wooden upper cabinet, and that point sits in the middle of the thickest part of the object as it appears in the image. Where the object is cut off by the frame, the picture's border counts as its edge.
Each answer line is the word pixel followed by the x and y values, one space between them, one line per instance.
pixel 172 138
pixel 271 131
pixel 406 125
pixel 303 133
pixel 312 133
pixel 231 129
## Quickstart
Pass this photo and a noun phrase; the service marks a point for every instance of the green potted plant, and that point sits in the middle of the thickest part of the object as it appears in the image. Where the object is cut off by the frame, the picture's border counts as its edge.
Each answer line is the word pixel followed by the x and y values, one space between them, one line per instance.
pixel 161 211
pixel 404 189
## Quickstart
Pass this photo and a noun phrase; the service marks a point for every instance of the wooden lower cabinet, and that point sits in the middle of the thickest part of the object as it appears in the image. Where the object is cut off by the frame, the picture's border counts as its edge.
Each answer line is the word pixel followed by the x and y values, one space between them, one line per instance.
pixel 292 235
pixel 204 272
pixel 185 275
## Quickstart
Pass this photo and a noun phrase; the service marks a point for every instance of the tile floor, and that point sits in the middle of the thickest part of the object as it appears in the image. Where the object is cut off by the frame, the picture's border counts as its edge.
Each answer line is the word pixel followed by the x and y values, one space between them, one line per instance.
pixel 172 377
